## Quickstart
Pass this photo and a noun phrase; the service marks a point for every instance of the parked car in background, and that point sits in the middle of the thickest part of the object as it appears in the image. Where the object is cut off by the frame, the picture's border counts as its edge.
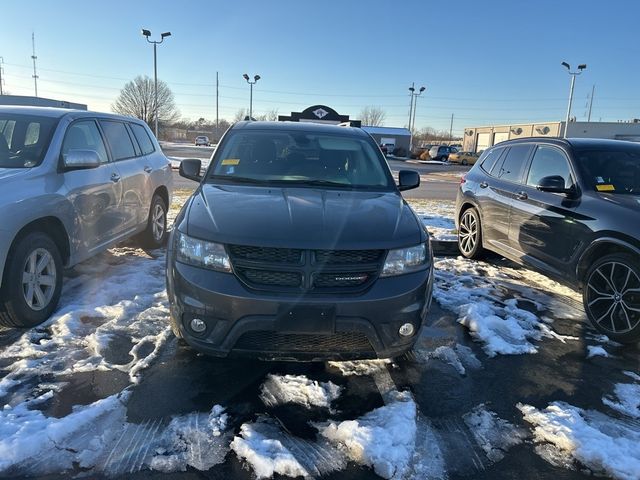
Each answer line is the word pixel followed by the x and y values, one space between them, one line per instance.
pixel 441 152
pixel 72 184
pixel 464 158
pixel 567 208
pixel 202 141
pixel 277 254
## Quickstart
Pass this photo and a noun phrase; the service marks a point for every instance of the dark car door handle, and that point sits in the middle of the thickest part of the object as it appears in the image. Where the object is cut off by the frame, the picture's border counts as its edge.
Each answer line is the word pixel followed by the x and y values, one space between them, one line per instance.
pixel 115 177
pixel 148 169
pixel 522 195
pixel 484 184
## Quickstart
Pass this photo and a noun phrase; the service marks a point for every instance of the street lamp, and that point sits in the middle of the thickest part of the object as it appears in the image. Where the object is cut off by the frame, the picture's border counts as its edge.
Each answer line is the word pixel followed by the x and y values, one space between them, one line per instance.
pixel 255 79
pixel 147 34
pixel 573 81
pixel 412 110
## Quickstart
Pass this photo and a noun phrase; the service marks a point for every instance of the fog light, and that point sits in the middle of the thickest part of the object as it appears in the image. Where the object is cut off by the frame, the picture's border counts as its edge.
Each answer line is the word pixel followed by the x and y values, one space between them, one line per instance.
pixel 199 326
pixel 406 330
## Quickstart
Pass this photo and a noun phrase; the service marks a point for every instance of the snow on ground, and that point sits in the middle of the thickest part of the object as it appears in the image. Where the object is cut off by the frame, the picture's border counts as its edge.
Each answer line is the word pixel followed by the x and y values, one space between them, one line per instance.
pixel 495 304
pixel 596 351
pixel 458 356
pixel 626 399
pixel 604 444
pixel 493 434
pixel 437 217
pixel 383 439
pixel 279 389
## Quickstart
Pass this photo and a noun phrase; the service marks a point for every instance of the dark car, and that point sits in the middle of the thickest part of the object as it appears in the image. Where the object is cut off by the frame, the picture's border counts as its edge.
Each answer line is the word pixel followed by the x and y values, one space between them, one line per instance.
pixel 567 208
pixel 298 245
pixel 441 152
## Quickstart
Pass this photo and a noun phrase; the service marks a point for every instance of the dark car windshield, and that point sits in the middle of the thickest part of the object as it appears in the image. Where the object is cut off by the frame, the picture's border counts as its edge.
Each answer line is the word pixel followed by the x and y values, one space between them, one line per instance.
pixel 613 170
pixel 24 139
pixel 300 158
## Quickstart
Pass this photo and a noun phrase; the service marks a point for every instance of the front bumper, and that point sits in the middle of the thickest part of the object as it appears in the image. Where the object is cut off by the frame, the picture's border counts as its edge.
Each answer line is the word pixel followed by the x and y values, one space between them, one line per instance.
pixel 242 322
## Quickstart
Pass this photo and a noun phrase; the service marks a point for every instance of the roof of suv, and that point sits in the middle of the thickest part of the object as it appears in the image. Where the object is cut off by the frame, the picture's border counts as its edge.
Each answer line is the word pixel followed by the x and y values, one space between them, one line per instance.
pixel 301 126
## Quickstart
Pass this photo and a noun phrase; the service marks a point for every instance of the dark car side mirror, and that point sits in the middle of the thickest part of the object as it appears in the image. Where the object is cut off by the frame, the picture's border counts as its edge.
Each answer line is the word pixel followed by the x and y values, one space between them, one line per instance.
pixel 77 159
pixel 190 168
pixel 408 179
pixel 554 184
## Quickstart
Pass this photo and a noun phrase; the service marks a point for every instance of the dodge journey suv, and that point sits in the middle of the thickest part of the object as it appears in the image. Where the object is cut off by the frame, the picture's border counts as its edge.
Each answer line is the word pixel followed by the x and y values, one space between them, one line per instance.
pixel 72 183
pixel 569 209
pixel 298 245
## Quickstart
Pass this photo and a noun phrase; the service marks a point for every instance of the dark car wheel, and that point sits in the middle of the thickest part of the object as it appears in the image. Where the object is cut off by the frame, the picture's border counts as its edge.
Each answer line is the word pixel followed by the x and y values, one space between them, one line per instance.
pixel 155 234
pixel 612 297
pixel 470 234
pixel 33 282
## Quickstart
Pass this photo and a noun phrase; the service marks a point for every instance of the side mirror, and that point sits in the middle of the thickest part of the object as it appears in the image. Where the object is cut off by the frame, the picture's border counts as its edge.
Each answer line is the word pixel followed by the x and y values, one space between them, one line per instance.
pixel 190 169
pixel 76 159
pixel 408 179
pixel 554 184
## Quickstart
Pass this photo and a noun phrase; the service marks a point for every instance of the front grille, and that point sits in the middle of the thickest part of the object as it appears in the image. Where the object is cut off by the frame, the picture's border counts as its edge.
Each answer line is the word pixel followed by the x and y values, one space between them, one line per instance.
pixel 341 257
pixel 332 280
pixel 310 271
pixel 269 341
pixel 266 254
pixel 266 278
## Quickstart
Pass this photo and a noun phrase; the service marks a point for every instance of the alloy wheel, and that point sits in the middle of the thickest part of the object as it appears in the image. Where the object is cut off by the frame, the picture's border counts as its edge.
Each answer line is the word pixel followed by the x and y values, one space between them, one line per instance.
pixel 468 233
pixel 39 279
pixel 613 297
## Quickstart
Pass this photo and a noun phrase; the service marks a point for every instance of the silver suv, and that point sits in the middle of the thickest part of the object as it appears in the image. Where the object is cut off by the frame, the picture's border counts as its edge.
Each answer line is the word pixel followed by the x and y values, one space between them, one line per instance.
pixel 72 184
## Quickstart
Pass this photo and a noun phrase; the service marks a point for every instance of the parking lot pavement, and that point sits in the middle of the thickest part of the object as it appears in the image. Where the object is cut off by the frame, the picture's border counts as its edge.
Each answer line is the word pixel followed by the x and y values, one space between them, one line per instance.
pixel 508 380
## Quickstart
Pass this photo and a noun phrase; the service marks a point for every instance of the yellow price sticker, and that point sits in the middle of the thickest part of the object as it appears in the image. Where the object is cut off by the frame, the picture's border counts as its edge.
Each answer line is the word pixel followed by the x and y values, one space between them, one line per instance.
pixel 231 161
pixel 605 188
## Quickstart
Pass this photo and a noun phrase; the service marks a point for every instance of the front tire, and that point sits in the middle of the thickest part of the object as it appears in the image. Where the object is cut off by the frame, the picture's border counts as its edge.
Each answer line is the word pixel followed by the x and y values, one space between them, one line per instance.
pixel 611 297
pixel 155 234
pixel 33 282
pixel 470 234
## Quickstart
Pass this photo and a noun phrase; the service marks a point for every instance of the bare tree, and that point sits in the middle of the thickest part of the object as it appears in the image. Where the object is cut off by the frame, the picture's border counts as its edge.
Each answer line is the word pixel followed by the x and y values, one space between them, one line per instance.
pixel 372 116
pixel 137 99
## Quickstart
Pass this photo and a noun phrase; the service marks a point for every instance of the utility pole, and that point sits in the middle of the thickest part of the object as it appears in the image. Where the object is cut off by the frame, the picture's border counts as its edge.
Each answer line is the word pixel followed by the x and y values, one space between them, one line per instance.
pixel 593 91
pixel 451 129
pixel 33 57
pixel 217 91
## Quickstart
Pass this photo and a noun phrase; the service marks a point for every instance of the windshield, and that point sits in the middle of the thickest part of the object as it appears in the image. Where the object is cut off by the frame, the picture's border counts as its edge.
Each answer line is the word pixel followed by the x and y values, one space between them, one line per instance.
pixel 612 171
pixel 24 139
pixel 300 158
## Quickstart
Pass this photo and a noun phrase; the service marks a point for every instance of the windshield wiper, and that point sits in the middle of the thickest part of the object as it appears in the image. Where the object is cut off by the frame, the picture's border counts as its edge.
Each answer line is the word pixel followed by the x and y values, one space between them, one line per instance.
pixel 235 179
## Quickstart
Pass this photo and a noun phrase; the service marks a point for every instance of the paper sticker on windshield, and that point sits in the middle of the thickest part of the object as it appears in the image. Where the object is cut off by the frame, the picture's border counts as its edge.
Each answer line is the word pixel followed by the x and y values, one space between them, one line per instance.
pixel 231 161
pixel 605 188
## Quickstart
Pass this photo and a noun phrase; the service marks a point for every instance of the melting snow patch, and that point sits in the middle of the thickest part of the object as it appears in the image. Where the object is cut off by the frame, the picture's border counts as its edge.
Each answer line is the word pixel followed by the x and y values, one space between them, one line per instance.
pixel 195 440
pixel 626 400
pixel 383 439
pixel 596 351
pixel 494 435
pixel 602 443
pixel 360 367
pixel 298 389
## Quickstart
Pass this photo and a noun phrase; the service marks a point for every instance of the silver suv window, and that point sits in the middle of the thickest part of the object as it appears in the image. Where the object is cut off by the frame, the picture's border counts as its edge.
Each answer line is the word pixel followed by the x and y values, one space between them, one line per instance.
pixel 24 139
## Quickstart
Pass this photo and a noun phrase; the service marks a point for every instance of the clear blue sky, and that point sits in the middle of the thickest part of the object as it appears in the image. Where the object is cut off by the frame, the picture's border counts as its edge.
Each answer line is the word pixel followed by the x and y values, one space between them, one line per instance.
pixel 484 61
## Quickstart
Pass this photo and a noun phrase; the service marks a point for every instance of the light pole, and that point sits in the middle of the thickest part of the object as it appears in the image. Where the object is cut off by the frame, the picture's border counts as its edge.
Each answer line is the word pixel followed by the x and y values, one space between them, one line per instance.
pixel 573 81
pixel 412 110
pixel 251 84
pixel 147 34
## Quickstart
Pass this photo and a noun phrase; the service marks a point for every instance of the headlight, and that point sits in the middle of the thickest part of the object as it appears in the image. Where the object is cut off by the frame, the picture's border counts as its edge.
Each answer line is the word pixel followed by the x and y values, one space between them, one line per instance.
pixel 201 254
pixel 406 260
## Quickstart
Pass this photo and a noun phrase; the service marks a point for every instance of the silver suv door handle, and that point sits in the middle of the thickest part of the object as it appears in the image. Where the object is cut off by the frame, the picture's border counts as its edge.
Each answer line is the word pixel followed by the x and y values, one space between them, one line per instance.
pixel 115 177
pixel 148 169
pixel 522 195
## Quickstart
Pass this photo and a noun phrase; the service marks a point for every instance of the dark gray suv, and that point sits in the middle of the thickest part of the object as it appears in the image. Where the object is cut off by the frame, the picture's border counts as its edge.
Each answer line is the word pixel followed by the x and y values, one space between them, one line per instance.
pixel 567 208
pixel 298 245
pixel 72 184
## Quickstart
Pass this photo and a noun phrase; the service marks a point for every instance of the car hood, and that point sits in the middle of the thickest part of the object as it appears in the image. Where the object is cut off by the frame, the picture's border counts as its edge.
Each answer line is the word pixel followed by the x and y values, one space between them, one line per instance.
pixel 7 173
pixel 302 218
